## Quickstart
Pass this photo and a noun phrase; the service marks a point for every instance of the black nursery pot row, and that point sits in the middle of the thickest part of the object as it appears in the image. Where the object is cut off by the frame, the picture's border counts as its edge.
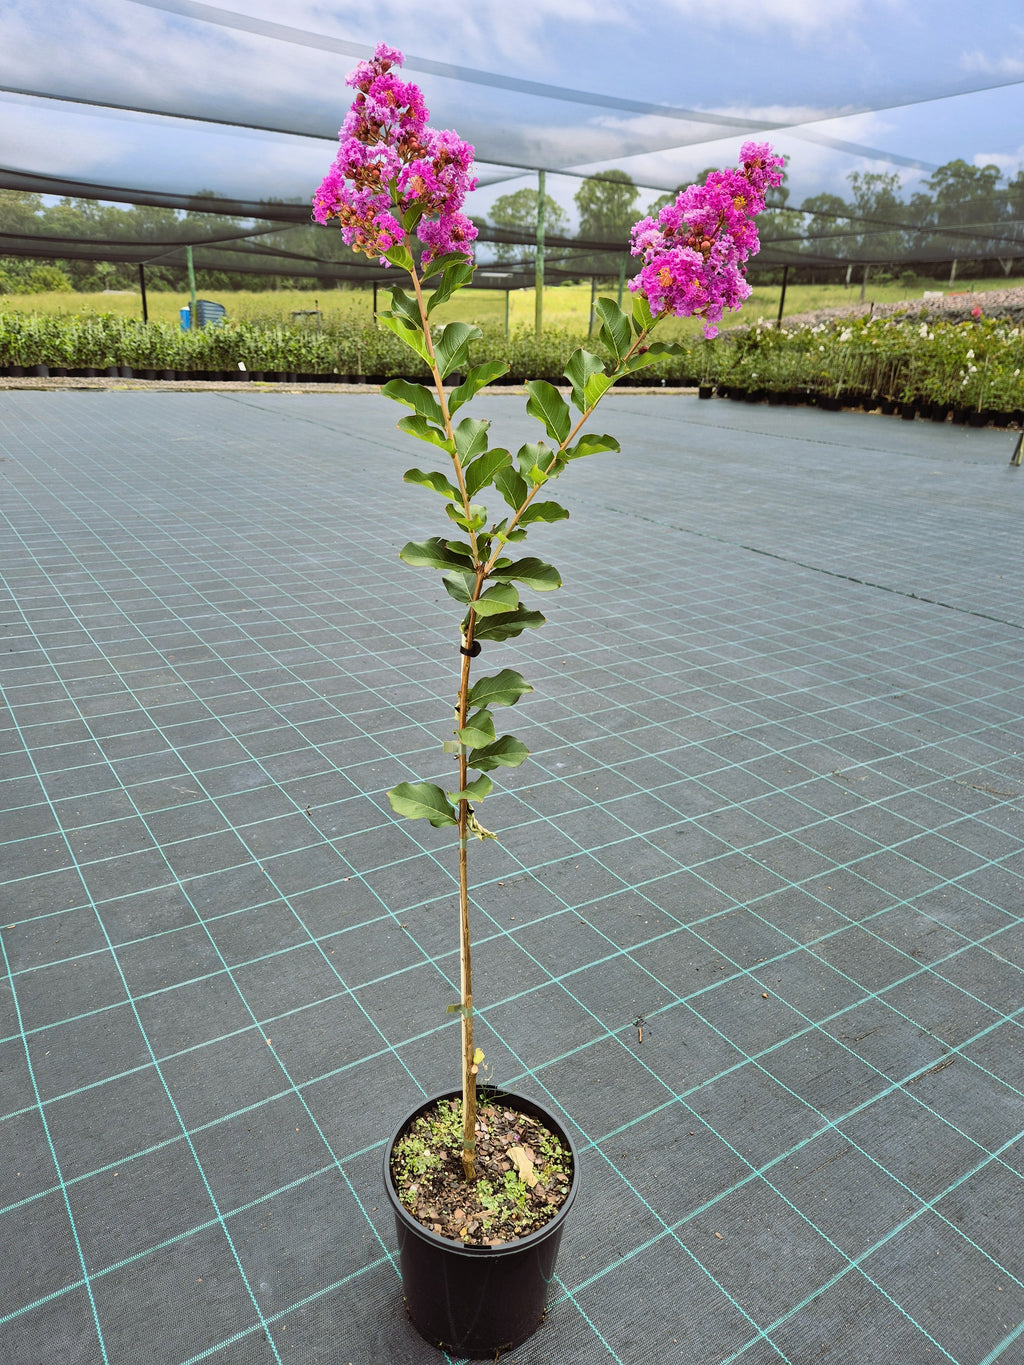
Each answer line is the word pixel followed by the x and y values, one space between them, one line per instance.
pixel 934 412
pixel 43 371
pixel 219 376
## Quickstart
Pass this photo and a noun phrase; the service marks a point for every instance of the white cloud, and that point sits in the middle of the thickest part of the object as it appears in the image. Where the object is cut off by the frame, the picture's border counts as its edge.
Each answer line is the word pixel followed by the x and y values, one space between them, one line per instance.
pixel 1009 163
pixel 1000 64
pixel 162 154
pixel 516 32
pixel 795 16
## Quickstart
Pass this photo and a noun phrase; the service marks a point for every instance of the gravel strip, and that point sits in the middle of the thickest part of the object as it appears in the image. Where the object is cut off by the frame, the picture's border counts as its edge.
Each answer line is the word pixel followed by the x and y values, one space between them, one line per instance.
pixel 1007 303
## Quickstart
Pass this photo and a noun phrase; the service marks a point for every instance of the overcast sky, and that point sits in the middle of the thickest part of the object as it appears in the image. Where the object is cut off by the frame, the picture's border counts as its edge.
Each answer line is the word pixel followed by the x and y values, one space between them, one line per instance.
pixel 854 84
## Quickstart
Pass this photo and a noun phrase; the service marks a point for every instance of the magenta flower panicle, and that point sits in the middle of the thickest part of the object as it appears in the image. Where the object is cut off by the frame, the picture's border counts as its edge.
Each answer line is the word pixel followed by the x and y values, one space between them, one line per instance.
pixel 392 169
pixel 694 253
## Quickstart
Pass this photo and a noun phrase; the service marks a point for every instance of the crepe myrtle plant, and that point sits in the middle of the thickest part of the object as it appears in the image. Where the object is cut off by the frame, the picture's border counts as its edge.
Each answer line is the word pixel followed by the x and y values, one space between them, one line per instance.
pixel 396 189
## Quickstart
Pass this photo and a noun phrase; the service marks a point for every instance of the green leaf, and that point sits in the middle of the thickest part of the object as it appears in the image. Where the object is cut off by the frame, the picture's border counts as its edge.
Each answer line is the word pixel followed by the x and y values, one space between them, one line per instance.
pixel 594 389
pixel 549 407
pixel 476 378
pixel 404 306
pixel 415 396
pixel 658 350
pixel 478 730
pixel 399 255
pixel 422 801
pixel 473 791
pixel 412 336
pixel 459 585
pixel 433 479
pixel 507 752
pixel 502 597
pixel 463 551
pixel 464 1011
pixel 643 319
pixel 476 521
pixel 471 438
pixel 533 572
pixel 507 625
pixel 419 427
pixel 440 263
pixel 501 689
pixel 412 216
pixel 434 553
pixel 543 511
pixel 579 369
pixel 512 486
pixel 535 456
pixel 455 277
pixel 483 469
pixel 451 345
pixel 616 332
pixel 591 444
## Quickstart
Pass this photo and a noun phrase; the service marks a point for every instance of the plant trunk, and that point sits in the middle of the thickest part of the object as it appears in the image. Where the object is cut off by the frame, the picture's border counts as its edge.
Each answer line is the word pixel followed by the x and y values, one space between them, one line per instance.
pixel 465 959
pixel 462 711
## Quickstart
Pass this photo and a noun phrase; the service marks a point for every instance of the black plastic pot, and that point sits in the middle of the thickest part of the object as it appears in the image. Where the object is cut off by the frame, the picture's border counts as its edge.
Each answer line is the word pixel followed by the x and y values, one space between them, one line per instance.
pixel 705 391
pixel 908 411
pixel 477 1301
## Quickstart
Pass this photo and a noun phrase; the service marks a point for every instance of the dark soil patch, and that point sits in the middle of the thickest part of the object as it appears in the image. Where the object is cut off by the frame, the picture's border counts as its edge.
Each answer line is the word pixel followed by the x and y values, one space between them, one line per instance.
pixel 523 1170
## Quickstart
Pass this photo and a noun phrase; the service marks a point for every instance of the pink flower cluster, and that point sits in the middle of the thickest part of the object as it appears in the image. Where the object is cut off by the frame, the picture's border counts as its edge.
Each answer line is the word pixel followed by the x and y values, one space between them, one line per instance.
pixel 694 254
pixel 389 162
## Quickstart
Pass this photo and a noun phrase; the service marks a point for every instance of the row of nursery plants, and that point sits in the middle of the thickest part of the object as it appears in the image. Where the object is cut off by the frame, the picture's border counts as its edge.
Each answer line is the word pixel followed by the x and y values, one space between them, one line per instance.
pixel 975 365
pixel 99 342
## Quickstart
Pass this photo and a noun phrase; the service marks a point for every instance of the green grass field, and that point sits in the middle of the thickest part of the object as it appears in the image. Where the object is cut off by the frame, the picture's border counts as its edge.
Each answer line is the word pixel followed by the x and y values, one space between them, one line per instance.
pixel 564 305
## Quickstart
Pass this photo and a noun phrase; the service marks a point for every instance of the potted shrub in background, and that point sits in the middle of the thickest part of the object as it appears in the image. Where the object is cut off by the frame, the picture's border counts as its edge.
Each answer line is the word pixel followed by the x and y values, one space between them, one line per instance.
pixel 481 1187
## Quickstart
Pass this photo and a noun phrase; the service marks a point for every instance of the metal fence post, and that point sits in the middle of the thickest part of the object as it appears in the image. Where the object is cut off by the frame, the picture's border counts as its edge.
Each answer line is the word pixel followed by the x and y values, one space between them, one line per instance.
pixel 538 276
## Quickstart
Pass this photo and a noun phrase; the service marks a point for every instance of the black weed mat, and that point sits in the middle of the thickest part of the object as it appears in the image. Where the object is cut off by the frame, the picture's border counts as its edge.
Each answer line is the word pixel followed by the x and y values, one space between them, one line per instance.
pixel 773 812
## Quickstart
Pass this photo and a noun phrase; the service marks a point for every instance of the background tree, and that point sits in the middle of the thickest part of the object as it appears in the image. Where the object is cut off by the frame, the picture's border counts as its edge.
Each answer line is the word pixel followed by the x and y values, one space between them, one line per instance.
pixel 607 208
pixel 965 199
pixel 827 223
pixel 518 213
pixel 876 196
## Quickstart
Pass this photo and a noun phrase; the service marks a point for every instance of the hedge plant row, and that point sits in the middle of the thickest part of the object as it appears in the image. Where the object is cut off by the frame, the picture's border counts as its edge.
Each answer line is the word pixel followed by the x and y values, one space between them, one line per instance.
pixel 973 365
pixel 348 350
